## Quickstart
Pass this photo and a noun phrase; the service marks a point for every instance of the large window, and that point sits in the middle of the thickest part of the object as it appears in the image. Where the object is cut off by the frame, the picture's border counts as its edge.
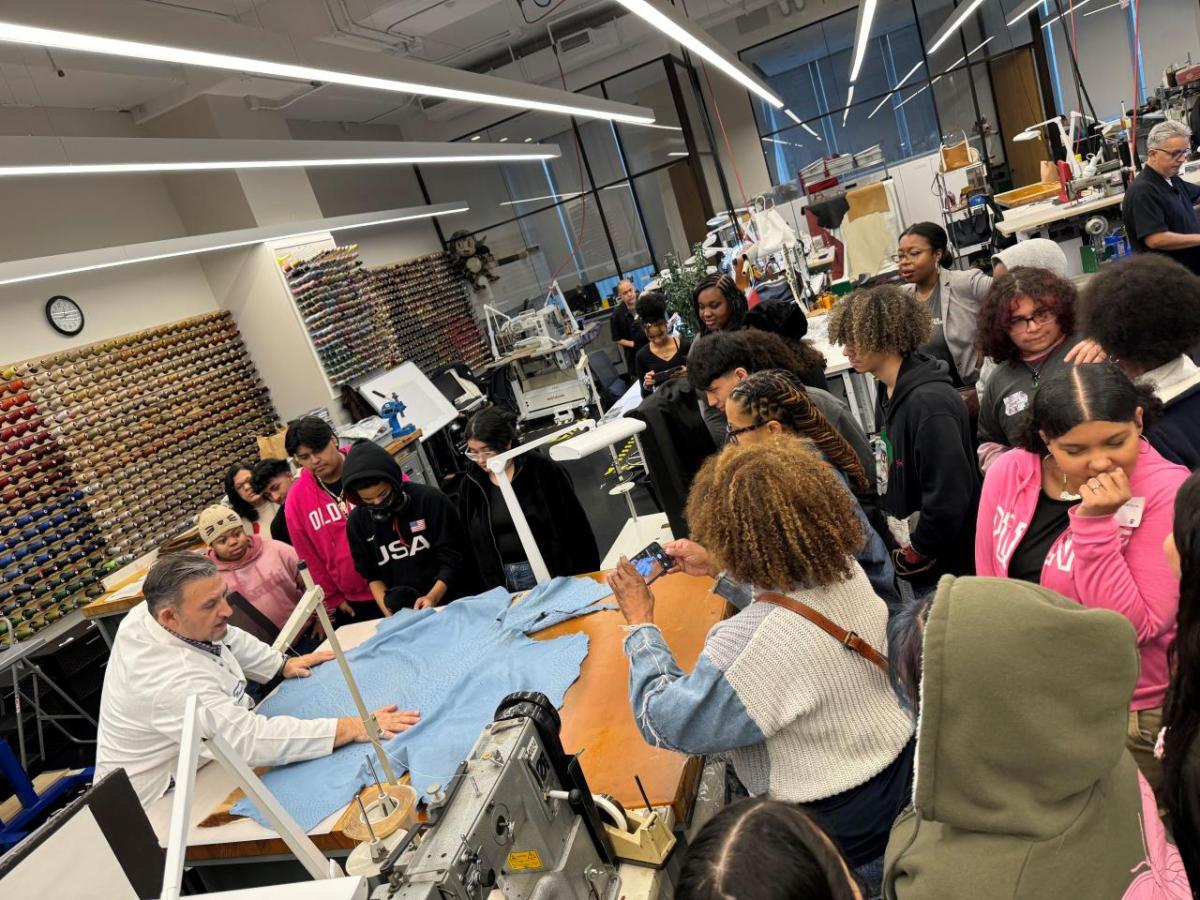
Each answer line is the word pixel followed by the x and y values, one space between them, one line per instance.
pixel 615 202
pixel 904 100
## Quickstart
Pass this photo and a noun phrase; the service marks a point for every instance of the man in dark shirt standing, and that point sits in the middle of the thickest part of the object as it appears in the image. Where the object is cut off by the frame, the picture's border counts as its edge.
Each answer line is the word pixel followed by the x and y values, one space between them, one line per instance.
pixel 1159 210
pixel 626 330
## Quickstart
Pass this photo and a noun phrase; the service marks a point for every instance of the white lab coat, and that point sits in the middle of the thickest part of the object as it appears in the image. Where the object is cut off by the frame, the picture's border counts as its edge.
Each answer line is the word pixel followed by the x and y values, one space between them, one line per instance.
pixel 151 673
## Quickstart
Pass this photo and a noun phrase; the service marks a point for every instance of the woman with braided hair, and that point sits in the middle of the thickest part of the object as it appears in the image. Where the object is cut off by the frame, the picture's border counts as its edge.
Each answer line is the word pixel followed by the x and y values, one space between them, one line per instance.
pixel 803 708
pixel 773 403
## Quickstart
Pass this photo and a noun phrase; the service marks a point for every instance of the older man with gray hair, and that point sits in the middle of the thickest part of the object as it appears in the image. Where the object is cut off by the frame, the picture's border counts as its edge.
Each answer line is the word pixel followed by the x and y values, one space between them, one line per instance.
pixel 1159 207
pixel 179 643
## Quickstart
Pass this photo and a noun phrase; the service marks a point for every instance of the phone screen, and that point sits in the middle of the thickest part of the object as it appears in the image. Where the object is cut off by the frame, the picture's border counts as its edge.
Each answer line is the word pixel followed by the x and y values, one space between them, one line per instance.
pixel 652 562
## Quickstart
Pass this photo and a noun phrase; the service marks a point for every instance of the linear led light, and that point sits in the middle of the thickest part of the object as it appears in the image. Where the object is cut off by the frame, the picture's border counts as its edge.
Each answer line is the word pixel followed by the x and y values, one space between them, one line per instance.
pixel 953 25
pixel 14 33
pixel 701 43
pixel 917 94
pixel 862 35
pixel 571 196
pixel 1024 12
pixel 791 115
pixel 39 155
pixel 125 168
pixel 795 118
pixel 895 87
pixel 1078 6
pixel 1102 9
pixel 772 140
pixel 678 153
pixel 195 245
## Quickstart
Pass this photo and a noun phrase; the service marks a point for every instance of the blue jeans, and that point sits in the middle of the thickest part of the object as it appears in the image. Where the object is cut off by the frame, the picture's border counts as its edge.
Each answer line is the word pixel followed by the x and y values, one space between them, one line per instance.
pixel 519 577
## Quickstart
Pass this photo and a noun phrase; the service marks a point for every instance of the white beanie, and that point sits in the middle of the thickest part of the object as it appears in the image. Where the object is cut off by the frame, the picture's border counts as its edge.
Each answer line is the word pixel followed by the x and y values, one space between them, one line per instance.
pixel 1037 253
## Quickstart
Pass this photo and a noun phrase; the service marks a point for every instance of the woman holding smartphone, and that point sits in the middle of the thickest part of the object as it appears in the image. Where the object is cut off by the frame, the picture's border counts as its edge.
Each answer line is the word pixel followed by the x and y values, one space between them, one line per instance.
pixel 665 356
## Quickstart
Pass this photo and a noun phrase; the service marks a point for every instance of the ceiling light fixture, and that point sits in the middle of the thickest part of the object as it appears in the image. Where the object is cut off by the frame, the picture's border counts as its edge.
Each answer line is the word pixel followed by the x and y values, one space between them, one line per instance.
pixel 38 155
pixel 678 153
pixel 1024 12
pixel 570 196
pixel 795 118
pixel 953 25
pixel 1078 6
pixel 862 35
pixel 1103 8
pixel 19 271
pixel 700 42
pixel 423 79
pixel 895 87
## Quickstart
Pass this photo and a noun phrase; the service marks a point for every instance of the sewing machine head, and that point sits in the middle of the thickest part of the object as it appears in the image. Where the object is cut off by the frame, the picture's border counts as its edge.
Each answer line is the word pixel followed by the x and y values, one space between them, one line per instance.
pixel 517 816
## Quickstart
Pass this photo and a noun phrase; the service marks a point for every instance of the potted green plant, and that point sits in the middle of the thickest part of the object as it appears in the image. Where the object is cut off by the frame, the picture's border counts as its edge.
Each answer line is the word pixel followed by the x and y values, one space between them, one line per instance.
pixel 681 279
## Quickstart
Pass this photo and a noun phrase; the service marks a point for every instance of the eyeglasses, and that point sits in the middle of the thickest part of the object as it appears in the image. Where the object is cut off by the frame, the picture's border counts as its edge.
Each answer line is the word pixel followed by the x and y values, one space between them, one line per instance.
pixel 735 433
pixel 1039 318
pixel 480 455
pixel 1177 155
pixel 913 254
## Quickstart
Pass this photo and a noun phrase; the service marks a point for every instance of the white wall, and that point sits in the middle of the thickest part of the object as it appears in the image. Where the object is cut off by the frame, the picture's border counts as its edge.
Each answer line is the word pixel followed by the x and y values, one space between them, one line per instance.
pixel 114 302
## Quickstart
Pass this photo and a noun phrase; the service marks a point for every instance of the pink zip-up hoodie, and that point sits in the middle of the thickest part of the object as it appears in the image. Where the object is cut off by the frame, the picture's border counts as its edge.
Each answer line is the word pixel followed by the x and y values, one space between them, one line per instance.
pixel 268 576
pixel 317 527
pixel 1095 561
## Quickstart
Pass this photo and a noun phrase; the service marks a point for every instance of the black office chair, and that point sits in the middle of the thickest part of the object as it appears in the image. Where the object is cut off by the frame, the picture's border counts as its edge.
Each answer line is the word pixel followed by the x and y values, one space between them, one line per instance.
pixel 608 380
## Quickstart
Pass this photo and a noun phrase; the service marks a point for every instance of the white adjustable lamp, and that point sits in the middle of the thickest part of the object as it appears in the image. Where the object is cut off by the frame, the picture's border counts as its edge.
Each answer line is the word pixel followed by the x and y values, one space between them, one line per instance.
pixel 498 465
pixel 1066 135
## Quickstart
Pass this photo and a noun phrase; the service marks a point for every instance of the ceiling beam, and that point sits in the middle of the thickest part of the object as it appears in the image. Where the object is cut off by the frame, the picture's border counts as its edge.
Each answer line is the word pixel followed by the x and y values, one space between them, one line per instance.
pixel 197 84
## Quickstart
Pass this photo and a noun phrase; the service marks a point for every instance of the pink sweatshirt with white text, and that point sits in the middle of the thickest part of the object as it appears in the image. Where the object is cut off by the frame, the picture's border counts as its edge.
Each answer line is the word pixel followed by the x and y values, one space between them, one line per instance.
pixel 1095 562
pixel 317 526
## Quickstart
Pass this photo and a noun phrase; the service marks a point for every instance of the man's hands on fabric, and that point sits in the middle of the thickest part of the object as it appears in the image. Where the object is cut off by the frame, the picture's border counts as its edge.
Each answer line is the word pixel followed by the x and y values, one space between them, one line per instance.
pixel 301 666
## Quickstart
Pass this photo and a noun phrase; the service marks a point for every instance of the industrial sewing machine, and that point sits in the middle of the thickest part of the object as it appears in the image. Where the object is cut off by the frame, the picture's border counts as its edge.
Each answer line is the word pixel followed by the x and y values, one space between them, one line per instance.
pixel 542 349
pixel 517 818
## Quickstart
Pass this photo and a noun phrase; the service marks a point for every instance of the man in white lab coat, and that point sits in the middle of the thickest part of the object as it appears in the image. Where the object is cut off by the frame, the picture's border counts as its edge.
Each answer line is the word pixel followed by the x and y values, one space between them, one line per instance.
pixel 179 643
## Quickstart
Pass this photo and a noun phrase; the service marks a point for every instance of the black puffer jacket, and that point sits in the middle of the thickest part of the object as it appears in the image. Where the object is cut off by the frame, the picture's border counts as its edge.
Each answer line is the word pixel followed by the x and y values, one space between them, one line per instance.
pixel 555 516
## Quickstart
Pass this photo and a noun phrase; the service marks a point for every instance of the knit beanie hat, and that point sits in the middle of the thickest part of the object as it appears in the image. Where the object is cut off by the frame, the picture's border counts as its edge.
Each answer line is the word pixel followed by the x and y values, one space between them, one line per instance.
pixel 215 521
pixel 1037 253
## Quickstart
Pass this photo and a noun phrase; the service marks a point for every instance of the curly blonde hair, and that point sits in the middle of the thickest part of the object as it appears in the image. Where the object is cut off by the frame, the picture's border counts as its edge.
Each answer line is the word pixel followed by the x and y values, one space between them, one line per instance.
pixel 884 319
pixel 775 515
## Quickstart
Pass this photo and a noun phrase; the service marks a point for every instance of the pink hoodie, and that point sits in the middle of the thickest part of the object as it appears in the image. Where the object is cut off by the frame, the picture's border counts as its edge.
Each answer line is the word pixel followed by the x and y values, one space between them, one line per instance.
pixel 268 576
pixel 1095 561
pixel 317 526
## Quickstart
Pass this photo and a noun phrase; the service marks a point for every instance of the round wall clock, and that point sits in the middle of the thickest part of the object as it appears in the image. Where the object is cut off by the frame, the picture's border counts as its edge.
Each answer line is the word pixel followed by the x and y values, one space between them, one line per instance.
pixel 64 315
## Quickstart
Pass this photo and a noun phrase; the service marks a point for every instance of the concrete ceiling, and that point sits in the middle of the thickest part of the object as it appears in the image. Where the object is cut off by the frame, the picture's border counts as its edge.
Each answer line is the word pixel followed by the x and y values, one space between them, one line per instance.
pixel 476 35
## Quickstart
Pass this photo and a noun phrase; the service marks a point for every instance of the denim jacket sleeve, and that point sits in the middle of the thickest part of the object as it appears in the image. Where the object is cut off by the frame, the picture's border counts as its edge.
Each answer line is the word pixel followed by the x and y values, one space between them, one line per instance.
pixel 693 713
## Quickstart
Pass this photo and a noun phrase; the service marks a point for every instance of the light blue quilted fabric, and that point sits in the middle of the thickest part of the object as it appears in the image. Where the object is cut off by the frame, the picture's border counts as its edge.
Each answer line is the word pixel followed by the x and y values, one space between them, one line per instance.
pixel 454 666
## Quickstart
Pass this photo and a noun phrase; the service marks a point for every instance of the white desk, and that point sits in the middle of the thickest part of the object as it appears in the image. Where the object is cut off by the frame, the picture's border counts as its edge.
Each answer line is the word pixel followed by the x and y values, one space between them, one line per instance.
pixel 1036 216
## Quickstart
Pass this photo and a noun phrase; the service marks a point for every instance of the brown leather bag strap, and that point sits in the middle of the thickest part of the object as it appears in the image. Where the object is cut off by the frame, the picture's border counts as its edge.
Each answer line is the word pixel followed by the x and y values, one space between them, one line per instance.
pixel 847 639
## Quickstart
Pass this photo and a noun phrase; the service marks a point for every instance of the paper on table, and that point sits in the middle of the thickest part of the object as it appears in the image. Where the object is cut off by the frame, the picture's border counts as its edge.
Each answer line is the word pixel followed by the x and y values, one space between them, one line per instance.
pixel 133 589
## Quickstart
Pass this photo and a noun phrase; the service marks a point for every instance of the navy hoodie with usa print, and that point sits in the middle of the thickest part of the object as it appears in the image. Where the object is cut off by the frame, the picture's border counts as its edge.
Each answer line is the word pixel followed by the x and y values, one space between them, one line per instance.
pixel 421 542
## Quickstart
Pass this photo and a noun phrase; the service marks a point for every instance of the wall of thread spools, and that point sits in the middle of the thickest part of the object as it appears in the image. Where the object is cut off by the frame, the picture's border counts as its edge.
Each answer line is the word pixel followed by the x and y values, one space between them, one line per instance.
pixel 363 319
pixel 110 449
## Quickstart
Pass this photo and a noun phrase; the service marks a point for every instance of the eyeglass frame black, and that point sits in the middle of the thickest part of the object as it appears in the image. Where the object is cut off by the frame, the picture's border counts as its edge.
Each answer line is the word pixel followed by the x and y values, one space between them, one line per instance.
pixel 732 434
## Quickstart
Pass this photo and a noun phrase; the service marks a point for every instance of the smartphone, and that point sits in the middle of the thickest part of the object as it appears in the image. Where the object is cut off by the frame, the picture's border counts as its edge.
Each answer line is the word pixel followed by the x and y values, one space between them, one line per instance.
pixel 667 374
pixel 652 562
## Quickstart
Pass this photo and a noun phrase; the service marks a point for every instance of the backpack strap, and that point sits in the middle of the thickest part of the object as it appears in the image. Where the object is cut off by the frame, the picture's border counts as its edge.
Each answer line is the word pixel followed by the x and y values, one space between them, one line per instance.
pixel 848 639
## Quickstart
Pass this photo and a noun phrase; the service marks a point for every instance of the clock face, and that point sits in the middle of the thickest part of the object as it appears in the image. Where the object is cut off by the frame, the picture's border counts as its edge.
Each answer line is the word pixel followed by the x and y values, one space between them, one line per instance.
pixel 64 315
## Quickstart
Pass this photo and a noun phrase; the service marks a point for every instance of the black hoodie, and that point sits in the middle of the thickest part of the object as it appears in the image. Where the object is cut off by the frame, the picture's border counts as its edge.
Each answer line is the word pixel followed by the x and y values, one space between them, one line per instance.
pixel 555 516
pixel 931 465
pixel 423 542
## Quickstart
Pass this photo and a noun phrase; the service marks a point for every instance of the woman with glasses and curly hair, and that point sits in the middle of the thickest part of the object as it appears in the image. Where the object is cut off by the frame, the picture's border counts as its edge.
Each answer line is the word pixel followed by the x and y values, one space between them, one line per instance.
pixel 928 478
pixel 774 516
pixel 1026 325
pixel 547 496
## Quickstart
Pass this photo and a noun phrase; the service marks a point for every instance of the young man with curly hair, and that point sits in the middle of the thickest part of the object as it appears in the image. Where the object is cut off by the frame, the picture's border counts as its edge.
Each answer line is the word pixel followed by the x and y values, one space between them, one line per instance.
pixel 925 457
pixel 805 719
pixel 1146 314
